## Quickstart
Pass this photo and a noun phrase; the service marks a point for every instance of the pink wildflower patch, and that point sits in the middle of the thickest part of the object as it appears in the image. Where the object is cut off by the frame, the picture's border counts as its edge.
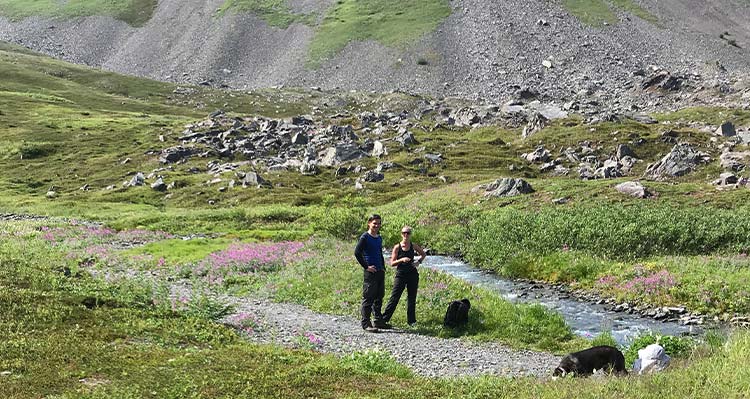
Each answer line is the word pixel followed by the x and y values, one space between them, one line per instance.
pixel 245 259
pixel 654 283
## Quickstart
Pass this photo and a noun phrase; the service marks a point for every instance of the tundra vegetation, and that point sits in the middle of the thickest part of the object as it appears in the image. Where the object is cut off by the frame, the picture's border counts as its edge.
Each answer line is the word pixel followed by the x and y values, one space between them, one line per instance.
pixel 69 332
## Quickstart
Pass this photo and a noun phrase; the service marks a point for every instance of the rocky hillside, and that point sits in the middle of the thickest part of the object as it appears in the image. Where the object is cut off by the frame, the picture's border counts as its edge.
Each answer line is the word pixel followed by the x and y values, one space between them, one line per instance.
pixel 491 49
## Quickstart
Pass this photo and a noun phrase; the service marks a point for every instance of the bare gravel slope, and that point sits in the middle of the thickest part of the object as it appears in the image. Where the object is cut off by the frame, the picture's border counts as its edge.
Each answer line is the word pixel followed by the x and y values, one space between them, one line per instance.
pixel 487 48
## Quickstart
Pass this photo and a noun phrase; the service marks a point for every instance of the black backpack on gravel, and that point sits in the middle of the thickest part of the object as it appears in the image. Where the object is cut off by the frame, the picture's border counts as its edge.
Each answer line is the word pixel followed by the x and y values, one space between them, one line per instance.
pixel 457 314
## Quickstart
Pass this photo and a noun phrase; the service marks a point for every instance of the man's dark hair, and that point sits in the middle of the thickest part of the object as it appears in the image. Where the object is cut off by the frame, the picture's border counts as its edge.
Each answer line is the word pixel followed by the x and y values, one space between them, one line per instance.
pixel 373 217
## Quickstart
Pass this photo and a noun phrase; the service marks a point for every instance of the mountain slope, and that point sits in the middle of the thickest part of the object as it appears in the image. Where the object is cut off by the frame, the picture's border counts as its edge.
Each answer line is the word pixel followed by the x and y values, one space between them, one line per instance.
pixel 485 49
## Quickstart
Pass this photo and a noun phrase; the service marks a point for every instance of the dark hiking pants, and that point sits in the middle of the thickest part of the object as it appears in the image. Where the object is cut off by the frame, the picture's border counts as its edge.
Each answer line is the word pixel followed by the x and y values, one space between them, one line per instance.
pixel 410 281
pixel 373 290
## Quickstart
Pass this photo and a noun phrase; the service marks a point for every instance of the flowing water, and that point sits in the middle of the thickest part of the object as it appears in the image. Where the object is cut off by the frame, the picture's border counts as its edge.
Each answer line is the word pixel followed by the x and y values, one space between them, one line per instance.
pixel 585 318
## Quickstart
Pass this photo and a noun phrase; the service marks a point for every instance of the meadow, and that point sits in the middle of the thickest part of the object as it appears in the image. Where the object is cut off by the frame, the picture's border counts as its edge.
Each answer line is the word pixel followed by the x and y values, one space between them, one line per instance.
pixel 82 319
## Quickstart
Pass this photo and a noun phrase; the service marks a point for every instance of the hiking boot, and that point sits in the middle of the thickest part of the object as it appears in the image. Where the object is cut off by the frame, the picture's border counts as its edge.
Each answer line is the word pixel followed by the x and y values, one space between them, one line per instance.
pixel 371 329
pixel 382 324
pixel 413 324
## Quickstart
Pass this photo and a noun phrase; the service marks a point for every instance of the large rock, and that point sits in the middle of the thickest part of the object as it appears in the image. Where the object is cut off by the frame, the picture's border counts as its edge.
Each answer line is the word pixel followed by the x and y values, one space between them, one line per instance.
pixel 434 158
pixel 137 180
pixel 378 149
pixel 341 153
pixel 406 139
pixel 175 154
pixel 300 138
pixel 309 168
pixel 535 124
pixel 252 179
pixel 634 189
pixel 726 179
pixel 539 155
pixel 610 169
pixel 682 160
pixel 372 176
pixel 735 161
pixel 726 129
pixel 624 151
pixel 159 185
pixel 506 187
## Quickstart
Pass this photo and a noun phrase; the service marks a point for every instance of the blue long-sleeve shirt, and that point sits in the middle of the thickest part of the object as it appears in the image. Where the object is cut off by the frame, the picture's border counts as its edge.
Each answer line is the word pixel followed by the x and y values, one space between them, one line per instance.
pixel 369 251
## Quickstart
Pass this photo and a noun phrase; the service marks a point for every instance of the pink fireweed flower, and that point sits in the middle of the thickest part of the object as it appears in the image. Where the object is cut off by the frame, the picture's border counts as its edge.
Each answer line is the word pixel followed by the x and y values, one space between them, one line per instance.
pixel 313 339
pixel 247 322
pixel 606 280
pixel 655 283
pixel 244 258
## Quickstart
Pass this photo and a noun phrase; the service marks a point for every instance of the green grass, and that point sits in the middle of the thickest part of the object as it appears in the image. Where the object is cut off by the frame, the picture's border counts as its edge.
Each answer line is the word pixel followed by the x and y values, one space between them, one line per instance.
pixel 591 12
pixel 388 22
pixel 633 8
pixel 598 12
pixel 132 347
pixel 321 284
pixel 275 12
pixel 134 12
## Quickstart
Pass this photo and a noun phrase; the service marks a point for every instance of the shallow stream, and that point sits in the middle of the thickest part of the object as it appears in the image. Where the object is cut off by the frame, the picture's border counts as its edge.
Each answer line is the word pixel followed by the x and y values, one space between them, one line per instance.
pixel 585 318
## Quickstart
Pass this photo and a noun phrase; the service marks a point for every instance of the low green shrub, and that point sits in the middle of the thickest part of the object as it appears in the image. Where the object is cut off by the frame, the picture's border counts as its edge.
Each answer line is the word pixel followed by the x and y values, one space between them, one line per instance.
pixel 342 219
pixel 376 361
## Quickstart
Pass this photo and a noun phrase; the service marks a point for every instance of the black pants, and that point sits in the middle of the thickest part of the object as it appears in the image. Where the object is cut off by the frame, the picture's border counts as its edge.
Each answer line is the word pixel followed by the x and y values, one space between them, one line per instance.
pixel 373 290
pixel 410 281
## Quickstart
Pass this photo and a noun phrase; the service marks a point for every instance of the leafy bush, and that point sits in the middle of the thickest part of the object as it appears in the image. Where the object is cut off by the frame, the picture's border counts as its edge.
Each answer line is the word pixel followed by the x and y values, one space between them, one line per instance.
pixel 617 232
pixel 202 307
pixel 344 219
pixel 36 150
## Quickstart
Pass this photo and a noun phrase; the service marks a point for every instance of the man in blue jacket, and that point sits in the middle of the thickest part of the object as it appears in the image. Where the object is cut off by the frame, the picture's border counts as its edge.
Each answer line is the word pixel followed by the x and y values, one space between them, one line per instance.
pixel 369 254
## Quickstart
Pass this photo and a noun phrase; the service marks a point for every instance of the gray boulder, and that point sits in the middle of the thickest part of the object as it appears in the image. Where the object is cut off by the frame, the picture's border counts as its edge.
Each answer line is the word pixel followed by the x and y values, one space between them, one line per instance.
pixel 536 123
pixel 309 168
pixel 252 179
pixel 372 176
pixel 726 129
pixel 378 149
pixel 506 187
pixel 159 185
pixel 634 189
pixel 735 161
pixel 341 153
pixel 624 151
pixel 726 179
pixel 682 160
pixel 175 154
pixel 137 180
pixel 539 155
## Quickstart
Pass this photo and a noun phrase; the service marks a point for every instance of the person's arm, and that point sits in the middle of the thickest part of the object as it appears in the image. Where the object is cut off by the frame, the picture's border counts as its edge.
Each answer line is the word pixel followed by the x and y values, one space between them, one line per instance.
pixel 420 251
pixel 394 254
pixel 359 251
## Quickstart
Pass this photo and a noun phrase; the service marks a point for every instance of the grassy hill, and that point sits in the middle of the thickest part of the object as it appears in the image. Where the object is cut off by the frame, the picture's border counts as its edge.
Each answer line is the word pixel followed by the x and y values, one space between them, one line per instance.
pixel 63 126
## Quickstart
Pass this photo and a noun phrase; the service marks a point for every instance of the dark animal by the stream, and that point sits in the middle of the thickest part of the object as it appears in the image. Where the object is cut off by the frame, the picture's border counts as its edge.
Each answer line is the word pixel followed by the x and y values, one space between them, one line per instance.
pixel 583 363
